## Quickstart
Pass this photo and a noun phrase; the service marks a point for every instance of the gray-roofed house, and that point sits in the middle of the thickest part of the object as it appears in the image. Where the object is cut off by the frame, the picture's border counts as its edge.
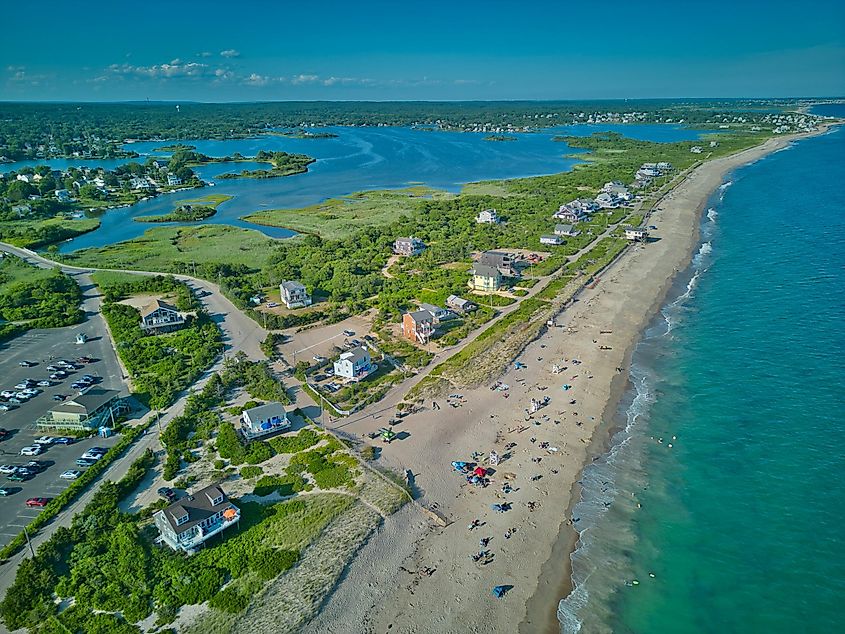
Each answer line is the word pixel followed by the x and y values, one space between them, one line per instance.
pixel 293 294
pixel 460 304
pixel 485 278
pixel 418 326
pixel 566 230
pixel 636 234
pixel 159 316
pixel 264 419
pixel 189 522
pixel 501 260
pixel 354 364
pixel 90 409
pixel 438 313
pixel 408 246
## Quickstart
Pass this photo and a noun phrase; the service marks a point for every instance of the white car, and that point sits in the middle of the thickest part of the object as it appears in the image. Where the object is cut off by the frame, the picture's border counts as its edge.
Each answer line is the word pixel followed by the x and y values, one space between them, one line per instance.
pixel 21 386
pixel 7 469
pixel 318 358
pixel 91 456
pixel 71 474
pixel 7 393
pixel 44 440
pixel 272 304
pixel 44 383
pixel 4 407
pixel 22 396
pixel 32 391
pixel 34 450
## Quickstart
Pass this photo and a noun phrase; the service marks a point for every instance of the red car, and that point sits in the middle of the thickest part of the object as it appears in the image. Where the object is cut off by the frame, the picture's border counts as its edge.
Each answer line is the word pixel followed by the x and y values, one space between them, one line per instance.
pixel 37 501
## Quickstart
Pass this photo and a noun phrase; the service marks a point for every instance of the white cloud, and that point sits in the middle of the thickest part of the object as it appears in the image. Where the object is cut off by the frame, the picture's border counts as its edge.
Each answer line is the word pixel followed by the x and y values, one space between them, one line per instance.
pixel 174 70
pixel 204 54
pixel 229 53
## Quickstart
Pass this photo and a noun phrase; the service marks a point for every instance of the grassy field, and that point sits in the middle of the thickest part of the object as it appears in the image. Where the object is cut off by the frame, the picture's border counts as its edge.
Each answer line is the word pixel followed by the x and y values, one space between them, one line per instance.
pixel 114 278
pixel 177 249
pixel 209 200
pixel 36 233
pixel 14 270
pixel 341 217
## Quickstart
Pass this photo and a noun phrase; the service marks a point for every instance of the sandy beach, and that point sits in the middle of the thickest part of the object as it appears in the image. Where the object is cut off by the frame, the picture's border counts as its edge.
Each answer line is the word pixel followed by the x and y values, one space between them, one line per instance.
pixel 415 576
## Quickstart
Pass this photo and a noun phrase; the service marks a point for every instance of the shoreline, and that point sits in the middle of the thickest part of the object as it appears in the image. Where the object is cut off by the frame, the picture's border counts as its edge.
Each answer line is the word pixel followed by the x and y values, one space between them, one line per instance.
pixel 559 565
pixel 383 590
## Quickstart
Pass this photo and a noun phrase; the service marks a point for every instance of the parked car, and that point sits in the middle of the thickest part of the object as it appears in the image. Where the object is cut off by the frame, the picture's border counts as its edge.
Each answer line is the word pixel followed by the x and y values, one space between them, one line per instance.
pixel 52 368
pixel 100 450
pixel 4 408
pixel 272 304
pixel 44 440
pixel 167 493
pixel 15 400
pixel 7 393
pixel 7 469
pixel 70 474
pixel 17 476
pixel 85 462
pixel 4 492
pixel 32 391
pixel 39 502
pixel 22 385
pixel 58 376
pixel 63 440
pixel 45 383
pixel 22 396
pixel 318 358
pixel 35 466
pixel 89 378
pixel 59 397
pixel 349 333
pixel 33 450
pixel 27 364
pixel 3 433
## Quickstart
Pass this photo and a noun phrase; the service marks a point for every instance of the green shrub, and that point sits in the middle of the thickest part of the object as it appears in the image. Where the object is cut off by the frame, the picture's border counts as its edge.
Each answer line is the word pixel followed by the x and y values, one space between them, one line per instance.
pixel 229 600
pixel 303 440
pixel 251 471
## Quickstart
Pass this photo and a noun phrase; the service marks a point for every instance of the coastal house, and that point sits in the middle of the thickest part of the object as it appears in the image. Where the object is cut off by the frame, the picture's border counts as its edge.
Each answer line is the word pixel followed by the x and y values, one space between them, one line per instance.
pixel 437 312
pixel 566 230
pixel 664 167
pixel 264 419
pixel 696 149
pixel 570 215
pixel 460 305
pixel 485 278
pixel 191 521
pixel 63 196
pixel 607 201
pixel 408 246
pixel 93 408
pixel 636 234
pixel 418 326
pixel 140 182
pixel 488 216
pixel 354 364
pixel 294 294
pixel 551 240
pixel 501 260
pixel 172 180
pixel 159 316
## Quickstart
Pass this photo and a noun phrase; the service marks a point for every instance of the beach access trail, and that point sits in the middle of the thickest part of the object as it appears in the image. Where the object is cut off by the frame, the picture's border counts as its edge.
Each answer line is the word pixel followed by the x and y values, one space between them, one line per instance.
pixel 389 586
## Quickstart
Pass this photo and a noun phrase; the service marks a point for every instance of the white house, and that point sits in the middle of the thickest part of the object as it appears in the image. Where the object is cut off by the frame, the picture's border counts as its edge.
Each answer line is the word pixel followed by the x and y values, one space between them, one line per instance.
pixel 355 364
pixel 551 239
pixel 294 294
pixel 636 234
pixel 189 522
pixel 696 149
pixel 569 214
pixel 264 419
pixel 488 216
pixel 63 196
pixel 460 304
pixel 172 179
pixel 408 246
pixel 438 313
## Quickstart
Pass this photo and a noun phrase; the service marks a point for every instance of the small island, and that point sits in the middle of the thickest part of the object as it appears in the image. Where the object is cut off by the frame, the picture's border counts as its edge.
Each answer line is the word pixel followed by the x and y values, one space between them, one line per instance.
pixel 499 137
pixel 284 164
pixel 301 133
pixel 190 210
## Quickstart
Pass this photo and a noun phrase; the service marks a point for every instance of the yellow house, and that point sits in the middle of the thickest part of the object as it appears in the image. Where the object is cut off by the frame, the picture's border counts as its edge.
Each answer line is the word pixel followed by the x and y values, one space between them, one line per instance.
pixel 485 278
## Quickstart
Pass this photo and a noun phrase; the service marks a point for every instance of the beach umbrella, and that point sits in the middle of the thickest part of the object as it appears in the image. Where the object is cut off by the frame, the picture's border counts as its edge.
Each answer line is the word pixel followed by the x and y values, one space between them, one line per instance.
pixel 480 472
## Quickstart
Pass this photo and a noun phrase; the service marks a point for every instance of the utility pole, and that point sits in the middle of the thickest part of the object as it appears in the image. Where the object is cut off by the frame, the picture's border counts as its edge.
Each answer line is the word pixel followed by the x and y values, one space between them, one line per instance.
pixel 28 542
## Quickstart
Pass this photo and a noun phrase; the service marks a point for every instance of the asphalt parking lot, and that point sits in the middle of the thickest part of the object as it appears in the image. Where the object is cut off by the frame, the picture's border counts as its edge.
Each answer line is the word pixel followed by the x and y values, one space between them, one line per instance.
pixel 45 347
pixel 321 341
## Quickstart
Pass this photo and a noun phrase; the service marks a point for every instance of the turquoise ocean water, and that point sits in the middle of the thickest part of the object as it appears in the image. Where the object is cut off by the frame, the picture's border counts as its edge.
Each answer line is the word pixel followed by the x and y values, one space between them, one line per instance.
pixel 726 481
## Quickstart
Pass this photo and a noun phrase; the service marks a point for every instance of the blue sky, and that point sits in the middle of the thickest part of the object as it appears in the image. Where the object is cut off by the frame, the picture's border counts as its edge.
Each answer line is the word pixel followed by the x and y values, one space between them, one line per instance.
pixel 248 51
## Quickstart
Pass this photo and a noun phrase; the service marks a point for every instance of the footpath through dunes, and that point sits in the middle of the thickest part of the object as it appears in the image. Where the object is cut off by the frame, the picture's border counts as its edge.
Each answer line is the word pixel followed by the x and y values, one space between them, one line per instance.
pixel 386 587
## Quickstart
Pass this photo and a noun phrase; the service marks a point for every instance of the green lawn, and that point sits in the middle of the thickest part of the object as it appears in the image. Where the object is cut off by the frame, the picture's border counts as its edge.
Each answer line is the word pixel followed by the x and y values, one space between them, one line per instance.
pixel 37 233
pixel 341 217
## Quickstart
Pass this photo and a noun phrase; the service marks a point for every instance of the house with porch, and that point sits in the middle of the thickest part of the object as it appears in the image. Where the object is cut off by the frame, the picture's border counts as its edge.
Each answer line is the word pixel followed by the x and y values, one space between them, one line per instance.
pixel 501 260
pixel 93 408
pixel 191 521
pixel 408 246
pixel 553 240
pixel 159 316
pixel 566 230
pixel 488 216
pixel 418 326
pixel 294 294
pixel 264 419
pixel 460 305
pixel 354 364
pixel 485 278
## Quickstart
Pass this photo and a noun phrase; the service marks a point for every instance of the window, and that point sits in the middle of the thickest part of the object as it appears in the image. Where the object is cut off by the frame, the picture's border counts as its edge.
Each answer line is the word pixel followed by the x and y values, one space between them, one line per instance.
pixel 181 519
